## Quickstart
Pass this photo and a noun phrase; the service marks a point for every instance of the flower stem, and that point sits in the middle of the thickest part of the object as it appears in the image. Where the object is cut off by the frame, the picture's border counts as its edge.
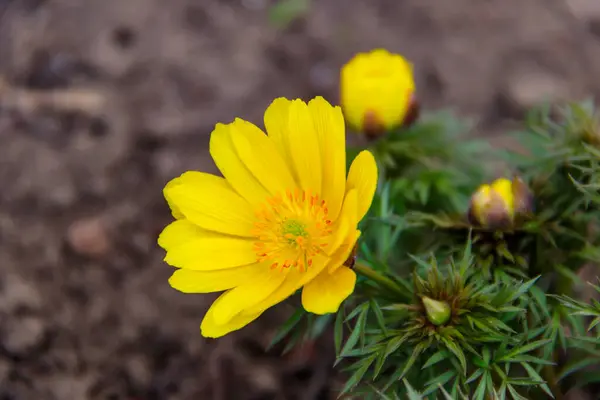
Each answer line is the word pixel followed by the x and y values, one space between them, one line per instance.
pixel 384 281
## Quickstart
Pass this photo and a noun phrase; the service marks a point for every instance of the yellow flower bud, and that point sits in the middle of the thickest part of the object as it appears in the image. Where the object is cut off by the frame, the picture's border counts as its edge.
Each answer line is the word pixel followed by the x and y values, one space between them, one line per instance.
pixel 438 312
pixel 497 205
pixel 377 92
pixel 523 197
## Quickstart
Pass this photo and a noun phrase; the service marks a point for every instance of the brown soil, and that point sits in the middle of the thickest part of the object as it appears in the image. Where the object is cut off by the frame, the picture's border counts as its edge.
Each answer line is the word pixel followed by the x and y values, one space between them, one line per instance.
pixel 103 101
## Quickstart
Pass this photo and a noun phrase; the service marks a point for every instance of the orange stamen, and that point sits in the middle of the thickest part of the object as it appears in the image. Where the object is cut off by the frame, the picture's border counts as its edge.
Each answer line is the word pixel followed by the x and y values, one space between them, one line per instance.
pixel 291 229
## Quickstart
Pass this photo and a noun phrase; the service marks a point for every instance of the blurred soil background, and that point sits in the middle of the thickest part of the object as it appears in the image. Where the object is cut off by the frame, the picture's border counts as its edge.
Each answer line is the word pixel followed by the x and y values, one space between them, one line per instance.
pixel 103 101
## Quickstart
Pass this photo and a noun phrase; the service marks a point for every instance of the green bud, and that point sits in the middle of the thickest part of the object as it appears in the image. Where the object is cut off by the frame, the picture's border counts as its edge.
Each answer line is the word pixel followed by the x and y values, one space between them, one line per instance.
pixel 438 312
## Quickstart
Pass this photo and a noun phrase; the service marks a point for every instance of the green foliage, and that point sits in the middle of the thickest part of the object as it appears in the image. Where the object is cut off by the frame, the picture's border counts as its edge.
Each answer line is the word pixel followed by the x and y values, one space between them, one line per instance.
pixel 430 166
pixel 585 309
pixel 486 342
pixel 518 326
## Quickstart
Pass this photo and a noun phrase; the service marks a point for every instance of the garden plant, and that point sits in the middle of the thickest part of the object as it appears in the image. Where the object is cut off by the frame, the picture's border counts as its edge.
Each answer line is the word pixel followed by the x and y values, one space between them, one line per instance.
pixel 443 267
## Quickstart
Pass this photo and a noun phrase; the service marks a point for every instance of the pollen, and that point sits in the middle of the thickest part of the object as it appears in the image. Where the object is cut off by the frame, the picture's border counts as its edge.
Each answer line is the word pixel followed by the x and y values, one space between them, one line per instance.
pixel 291 229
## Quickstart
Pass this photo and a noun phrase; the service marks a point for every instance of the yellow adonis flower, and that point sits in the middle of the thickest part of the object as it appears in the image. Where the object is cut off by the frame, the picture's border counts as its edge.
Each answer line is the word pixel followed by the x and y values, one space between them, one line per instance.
pixel 377 91
pixel 284 216
pixel 496 206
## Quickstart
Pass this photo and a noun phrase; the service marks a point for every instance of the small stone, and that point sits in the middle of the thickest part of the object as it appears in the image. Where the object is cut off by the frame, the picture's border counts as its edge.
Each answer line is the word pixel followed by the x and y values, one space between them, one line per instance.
pixel 70 387
pixel 62 195
pixel 21 337
pixel 17 293
pixel 584 9
pixel 263 378
pixel 89 237
pixel 139 370
pixel 529 89
pixel 5 369
pixel 577 394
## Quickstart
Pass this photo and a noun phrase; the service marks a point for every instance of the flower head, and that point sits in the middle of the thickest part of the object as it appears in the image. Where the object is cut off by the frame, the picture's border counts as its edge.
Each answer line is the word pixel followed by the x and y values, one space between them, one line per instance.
pixel 377 91
pixel 283 217
pixel 496 206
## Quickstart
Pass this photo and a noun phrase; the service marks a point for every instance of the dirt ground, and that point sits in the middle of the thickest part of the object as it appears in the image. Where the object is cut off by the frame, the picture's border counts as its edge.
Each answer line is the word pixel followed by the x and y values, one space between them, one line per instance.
pixel 103 101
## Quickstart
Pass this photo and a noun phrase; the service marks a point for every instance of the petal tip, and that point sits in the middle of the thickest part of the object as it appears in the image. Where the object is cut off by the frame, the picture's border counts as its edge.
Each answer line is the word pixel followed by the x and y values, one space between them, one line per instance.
pixel 208 333
pixel 326 293
pixel 280 104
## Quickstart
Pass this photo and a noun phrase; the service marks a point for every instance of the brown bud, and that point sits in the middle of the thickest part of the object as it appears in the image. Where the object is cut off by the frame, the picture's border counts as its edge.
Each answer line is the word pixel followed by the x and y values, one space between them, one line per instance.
pixel 499 205
pixel 489 209
pixel 523 197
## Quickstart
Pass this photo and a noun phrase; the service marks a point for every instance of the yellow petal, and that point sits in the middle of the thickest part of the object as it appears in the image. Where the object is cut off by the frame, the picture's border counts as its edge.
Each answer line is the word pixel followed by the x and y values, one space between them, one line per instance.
pixel 209 201
pixel 344 251
pixel 304 147
pixel 352 96
pixel 330 130
pixel 343 227
pixel 262 157
pixel 294 280
pixel 363 177
pixel 276 123
pixel 179 232
pixel 246 296
pixel 350 207
pixel 325 293
pixel 177 214
pixel 480 201
pixel 210 329
pixel 189 281
pixel 231 166
pixel 504 188
pixel 345 232
pixel 191 247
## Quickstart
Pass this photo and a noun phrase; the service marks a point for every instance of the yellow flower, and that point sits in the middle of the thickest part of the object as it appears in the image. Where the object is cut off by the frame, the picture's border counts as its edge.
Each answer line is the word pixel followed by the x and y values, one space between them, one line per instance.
pixel 377 91
pixel 497 205
pixel 284 216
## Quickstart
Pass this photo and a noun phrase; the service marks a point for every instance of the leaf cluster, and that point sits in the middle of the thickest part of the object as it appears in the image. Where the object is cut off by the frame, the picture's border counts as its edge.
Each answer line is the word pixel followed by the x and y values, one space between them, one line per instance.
pixel 518 327
pixel 485 349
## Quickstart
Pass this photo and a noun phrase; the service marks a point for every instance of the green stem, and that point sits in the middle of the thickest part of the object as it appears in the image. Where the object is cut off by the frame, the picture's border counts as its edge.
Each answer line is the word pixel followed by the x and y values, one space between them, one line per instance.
pixel 552 380
pixel 548 372
pixel 384 281
pixel 559 287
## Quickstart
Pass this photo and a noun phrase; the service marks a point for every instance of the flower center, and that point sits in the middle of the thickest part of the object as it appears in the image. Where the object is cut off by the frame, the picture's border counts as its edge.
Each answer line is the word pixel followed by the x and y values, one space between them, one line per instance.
pixel 290 230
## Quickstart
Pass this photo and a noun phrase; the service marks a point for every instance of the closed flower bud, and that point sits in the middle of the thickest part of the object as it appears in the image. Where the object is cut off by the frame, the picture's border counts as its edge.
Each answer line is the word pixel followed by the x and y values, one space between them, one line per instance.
pixel 438 312
pixel 523 197
pixel 496 206
pixel 378 92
